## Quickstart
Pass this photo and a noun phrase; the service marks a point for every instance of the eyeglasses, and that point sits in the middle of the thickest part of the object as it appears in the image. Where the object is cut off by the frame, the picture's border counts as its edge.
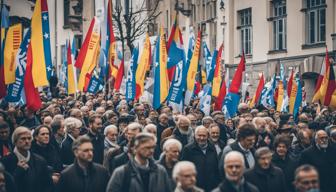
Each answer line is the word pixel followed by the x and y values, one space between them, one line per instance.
pixel 310 182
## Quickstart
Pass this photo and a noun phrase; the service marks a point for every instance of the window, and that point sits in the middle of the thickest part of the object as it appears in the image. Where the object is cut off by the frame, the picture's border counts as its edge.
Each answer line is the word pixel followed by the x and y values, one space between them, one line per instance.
pixel 315 21
pixel 245 29
pixel 66 12
pixel 279 25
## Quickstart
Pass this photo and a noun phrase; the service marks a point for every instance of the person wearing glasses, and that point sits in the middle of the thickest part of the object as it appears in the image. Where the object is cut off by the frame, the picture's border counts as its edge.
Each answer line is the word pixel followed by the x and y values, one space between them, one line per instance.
pixel 306 179
pixel 321 156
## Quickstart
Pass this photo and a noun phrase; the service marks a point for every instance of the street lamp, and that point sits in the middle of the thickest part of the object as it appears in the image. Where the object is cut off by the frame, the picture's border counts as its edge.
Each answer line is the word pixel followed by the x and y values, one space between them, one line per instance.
pixel 185 12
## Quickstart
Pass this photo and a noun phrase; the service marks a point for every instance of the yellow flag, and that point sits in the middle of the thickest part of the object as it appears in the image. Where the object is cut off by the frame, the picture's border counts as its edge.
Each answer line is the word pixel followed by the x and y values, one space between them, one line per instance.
pixel 13 41
pixel 163 67
pixel 90 60
pixel 293 97
pixel 280 96
pixel 142 68
pixel 192 71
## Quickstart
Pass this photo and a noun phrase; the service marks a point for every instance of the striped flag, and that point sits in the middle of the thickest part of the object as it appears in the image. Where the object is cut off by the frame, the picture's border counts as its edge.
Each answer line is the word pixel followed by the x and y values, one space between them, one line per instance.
pixel 217 80
pixel 87 57
pixel 13 41
pixel 4 26
pixel 70 74
pixel 161 81
pixel 210 62
pixel 174 48
pixel 205 100
pixel 192 70
pixel 40 44
pixel 142 68
pixel 256 97
pixel 120 75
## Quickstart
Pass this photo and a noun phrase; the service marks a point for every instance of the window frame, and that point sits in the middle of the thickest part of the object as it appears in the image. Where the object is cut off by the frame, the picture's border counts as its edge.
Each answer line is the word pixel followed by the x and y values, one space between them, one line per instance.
pixel 245 30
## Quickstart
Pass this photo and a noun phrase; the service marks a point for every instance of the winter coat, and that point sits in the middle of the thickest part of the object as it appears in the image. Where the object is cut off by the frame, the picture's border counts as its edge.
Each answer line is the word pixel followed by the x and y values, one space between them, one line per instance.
pixel 226 186
pixel 67 155
pixel 128 178
pixel 35 179
pixel 323 162
pixel 98 147
pixel 74 179
pixel 288 166
pixel 50 154
pixel 206 164
pixel 268 180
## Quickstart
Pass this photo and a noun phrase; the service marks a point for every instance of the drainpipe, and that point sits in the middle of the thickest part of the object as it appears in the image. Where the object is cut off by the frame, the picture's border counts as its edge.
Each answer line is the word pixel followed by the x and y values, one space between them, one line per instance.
pixel 56 43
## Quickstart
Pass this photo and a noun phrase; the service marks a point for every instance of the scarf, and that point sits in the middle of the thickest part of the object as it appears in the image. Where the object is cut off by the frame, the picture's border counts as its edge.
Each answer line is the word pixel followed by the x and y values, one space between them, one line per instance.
pixel 20 156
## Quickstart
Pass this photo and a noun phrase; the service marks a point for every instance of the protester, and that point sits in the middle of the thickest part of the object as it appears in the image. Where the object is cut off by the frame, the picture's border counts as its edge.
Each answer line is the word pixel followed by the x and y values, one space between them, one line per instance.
pixel 97 139
pixel 83 174
pixel 203 154
pixel 22 162
pixel 234 167
pixel 265 175
pixel 306 179
pixel 141 173
pixel 6 145
pixel 184 174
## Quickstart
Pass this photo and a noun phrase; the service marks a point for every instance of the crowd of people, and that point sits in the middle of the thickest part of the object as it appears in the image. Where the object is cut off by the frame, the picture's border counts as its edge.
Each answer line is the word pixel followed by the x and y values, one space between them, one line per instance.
pixel 104 143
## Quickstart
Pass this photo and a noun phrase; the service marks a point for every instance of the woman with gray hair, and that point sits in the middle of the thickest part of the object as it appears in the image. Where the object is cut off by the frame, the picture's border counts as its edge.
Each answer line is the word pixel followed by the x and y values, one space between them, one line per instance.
pixel 72 129
pixel 30 171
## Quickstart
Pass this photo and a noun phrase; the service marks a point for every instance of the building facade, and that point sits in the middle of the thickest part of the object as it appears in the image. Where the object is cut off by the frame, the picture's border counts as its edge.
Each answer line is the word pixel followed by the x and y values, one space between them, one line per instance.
pixel 291 32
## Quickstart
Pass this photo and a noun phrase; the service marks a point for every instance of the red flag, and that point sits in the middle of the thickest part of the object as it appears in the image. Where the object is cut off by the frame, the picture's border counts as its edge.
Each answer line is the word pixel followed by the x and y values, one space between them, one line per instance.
pixel 3 88
pixel 260 87
pixel 290 84
pixel 120 76
pixel 85 45
pixel 238 76
pixel 32 95
pixel 331 85
pixel 220 99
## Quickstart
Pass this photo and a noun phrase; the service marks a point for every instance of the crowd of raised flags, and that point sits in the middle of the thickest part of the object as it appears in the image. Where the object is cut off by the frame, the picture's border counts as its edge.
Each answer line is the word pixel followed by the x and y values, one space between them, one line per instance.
pixel 175 77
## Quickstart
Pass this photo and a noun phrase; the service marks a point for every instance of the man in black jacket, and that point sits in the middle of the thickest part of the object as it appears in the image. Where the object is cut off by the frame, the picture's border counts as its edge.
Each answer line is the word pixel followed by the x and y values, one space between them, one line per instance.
pixel 234 170
pixel 72 126
pixel 246 138
pixel 97 139
pixel 83 175
pixel 29 170
pixel 264 175
pixel 320 155
pixel 203 154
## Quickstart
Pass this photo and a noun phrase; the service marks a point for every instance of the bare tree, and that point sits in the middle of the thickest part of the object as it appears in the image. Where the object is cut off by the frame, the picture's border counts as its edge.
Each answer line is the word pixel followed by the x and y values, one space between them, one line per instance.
pixel 130 23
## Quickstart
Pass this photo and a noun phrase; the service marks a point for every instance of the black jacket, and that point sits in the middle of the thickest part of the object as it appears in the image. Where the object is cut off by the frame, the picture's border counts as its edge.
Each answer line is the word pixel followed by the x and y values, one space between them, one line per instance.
pixel 226 186
pixel 288 166
pixel 98 147
pixel 50 154
pixel 118 161
pixel 162 161
pixel 73 179
pixel 35 179
pixel 206 164
pixel 67 155
pixel 272 179
pixel 322 161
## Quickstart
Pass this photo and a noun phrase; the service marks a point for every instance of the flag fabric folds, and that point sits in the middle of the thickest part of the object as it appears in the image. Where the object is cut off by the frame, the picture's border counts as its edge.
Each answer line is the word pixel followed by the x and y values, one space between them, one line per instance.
pixel 15 89
pixel 130 78
pixel 88 56
pixel 205 100
pixel 4 25
pixel 217 78
pixel 40 44
pixel 32 95
pixel 210 62
pixel 161 81
pixel 119 76
pixel 192 70
pixel 232 98
pixel 256 97
pixel 141 70
pixel 70 75
pixel 13 41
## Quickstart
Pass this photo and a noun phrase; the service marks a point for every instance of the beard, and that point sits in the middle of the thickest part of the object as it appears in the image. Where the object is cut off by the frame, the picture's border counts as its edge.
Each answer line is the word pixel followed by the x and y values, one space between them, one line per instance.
pixel 323 146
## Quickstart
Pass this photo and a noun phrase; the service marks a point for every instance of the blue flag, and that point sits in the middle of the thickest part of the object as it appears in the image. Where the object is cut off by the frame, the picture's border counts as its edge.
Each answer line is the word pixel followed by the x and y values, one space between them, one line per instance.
pixel 130 78
pixel 14 90
pixel 205 100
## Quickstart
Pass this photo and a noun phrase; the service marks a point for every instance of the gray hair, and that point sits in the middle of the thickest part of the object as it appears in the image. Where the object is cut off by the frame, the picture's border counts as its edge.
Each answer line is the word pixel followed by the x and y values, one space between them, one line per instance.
pixel 18 132
pixel 151 125
pixel 110 127
pixel 71 123
pixel 142 138
pixel 262 151
pixel 134 126
pixel 200 127
pixel 170 142
pixel 232 154
pixel 179 166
